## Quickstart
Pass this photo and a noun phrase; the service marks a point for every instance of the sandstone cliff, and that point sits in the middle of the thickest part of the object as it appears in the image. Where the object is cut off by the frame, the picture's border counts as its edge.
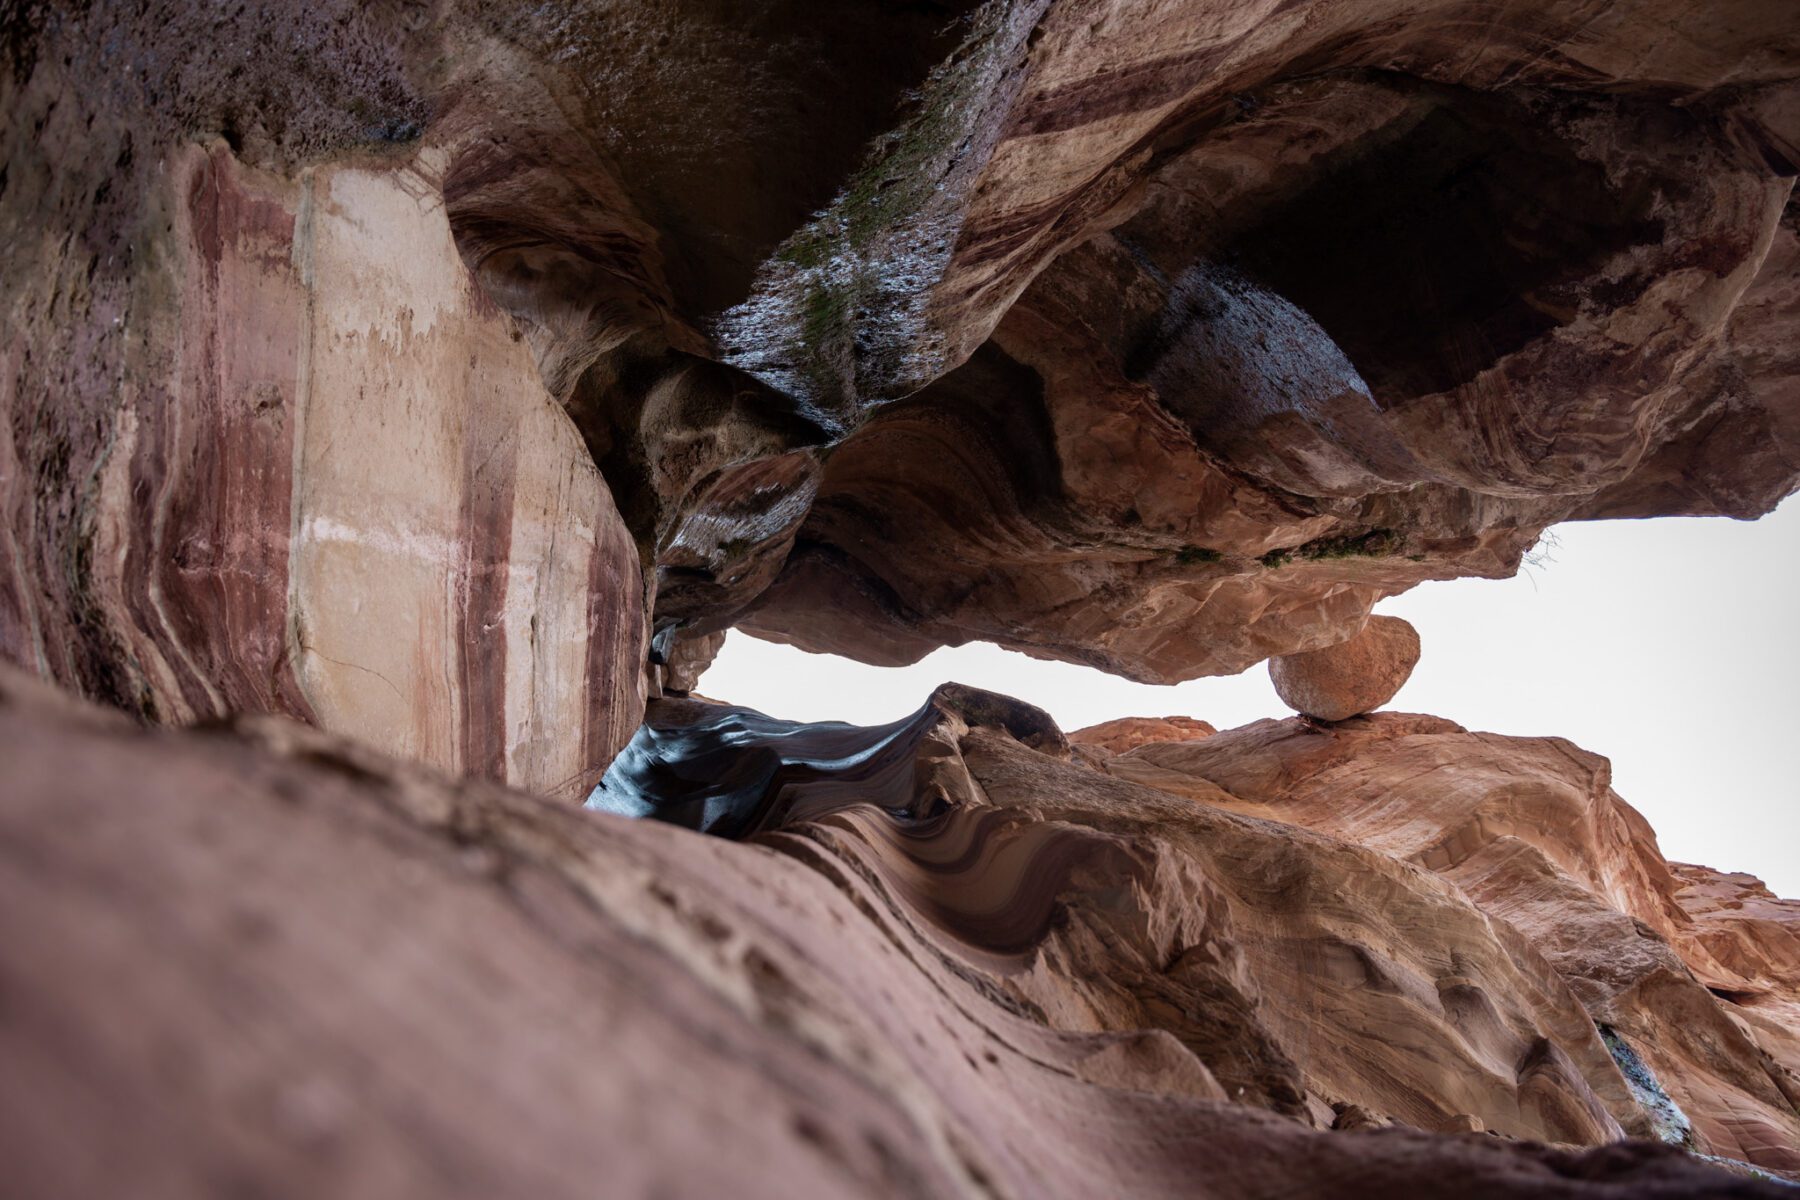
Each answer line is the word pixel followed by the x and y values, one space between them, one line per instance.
pixel 1532 834
pixel 1160 339
pixel 407 395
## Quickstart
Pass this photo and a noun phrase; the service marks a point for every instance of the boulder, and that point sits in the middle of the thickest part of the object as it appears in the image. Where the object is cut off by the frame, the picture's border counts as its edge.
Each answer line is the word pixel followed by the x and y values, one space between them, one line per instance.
pixel 1338 682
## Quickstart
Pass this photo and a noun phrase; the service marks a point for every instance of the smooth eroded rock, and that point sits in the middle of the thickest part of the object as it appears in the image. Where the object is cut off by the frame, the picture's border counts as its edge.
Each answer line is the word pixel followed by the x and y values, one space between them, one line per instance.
pixel 1690 974
pixel 1160 339
pixel 1357 676
pixel 1030 978
pixel 326 481
pixel 1127 733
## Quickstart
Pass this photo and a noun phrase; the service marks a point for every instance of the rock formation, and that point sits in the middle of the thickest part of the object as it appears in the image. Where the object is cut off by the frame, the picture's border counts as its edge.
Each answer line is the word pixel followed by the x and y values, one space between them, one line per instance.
pixel 972 966
pixel 686 660
pixel 410 394
pixel 1530 832
pixel 1352 677
pixel 1128 733
pixel 1160 340
pixel 323 481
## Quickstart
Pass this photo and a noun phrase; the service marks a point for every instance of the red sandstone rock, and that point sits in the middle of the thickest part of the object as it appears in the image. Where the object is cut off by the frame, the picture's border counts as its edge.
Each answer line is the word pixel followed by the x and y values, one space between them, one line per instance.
pixel 330 487
pixel 1161 338
pixel 1174 469
pixel 1338 682
pixel 687 660
pixel 1530 831
pixel 1063 985
pixel 1127 733
pixel 1743 943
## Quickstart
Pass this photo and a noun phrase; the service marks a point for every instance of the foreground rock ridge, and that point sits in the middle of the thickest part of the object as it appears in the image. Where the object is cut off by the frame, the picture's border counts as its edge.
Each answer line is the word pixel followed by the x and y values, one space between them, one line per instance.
pixel 1000 972
pixel 400 401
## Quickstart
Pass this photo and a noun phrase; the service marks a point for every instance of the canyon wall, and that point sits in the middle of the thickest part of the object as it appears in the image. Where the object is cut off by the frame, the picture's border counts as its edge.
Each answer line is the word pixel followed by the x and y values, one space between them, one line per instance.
pixel 1530 831
pixel 976 967
pixel 406 396
pixel 1162 340
pixel 293 460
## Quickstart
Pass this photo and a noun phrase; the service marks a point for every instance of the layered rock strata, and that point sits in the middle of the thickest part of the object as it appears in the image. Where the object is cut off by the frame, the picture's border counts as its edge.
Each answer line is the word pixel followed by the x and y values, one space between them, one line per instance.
pixel 1531 833
pixel 319 477
pixel 997 972
pixel 1127 733
pixel 1281 346
pixel 1162 340
pixel 451 375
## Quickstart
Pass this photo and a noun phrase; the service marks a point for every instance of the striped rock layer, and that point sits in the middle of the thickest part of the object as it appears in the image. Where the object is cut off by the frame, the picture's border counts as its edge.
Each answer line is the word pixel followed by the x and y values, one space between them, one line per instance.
pixel 1161 338
pixel 327 484
pixel 406 392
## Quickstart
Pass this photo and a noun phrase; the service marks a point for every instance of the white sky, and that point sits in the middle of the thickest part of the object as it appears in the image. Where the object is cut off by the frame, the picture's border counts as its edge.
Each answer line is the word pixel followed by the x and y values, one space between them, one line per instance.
pixel 1671 646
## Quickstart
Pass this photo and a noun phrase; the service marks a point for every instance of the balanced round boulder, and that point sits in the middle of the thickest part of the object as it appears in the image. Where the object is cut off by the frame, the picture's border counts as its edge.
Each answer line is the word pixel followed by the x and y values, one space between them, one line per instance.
pixel 1351 677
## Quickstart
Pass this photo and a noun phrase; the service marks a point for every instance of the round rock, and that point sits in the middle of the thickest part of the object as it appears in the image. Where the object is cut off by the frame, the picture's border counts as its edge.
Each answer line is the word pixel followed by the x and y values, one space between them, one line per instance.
pixel 1351 677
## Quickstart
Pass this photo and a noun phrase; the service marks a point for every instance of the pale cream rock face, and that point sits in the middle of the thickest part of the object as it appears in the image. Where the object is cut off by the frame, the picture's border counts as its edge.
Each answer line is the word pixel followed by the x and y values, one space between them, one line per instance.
pixel 444 503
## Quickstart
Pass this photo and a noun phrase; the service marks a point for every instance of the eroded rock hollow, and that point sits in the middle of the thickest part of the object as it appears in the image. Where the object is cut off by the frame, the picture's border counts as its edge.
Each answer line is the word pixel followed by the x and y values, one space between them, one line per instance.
pixel 399 401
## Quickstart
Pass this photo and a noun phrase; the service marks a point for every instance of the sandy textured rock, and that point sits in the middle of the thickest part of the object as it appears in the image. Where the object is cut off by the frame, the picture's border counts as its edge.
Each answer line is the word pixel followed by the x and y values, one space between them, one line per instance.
pixel 1233 391
pixel 1352 677
pixel 858 1004
pixel 324 482
pixel 687 660
pixel 1128 733
pixel 1531 832
pixel 1743 943
pixel 454 374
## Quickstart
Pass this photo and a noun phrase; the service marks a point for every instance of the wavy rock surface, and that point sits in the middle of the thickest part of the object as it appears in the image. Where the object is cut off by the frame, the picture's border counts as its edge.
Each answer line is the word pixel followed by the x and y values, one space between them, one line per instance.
pixel 1531 832
pixel 1033 979
pixel 1128 733
pixel 1160 339
pixel 451 375
pixel 1744 945
pixel 1294 333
